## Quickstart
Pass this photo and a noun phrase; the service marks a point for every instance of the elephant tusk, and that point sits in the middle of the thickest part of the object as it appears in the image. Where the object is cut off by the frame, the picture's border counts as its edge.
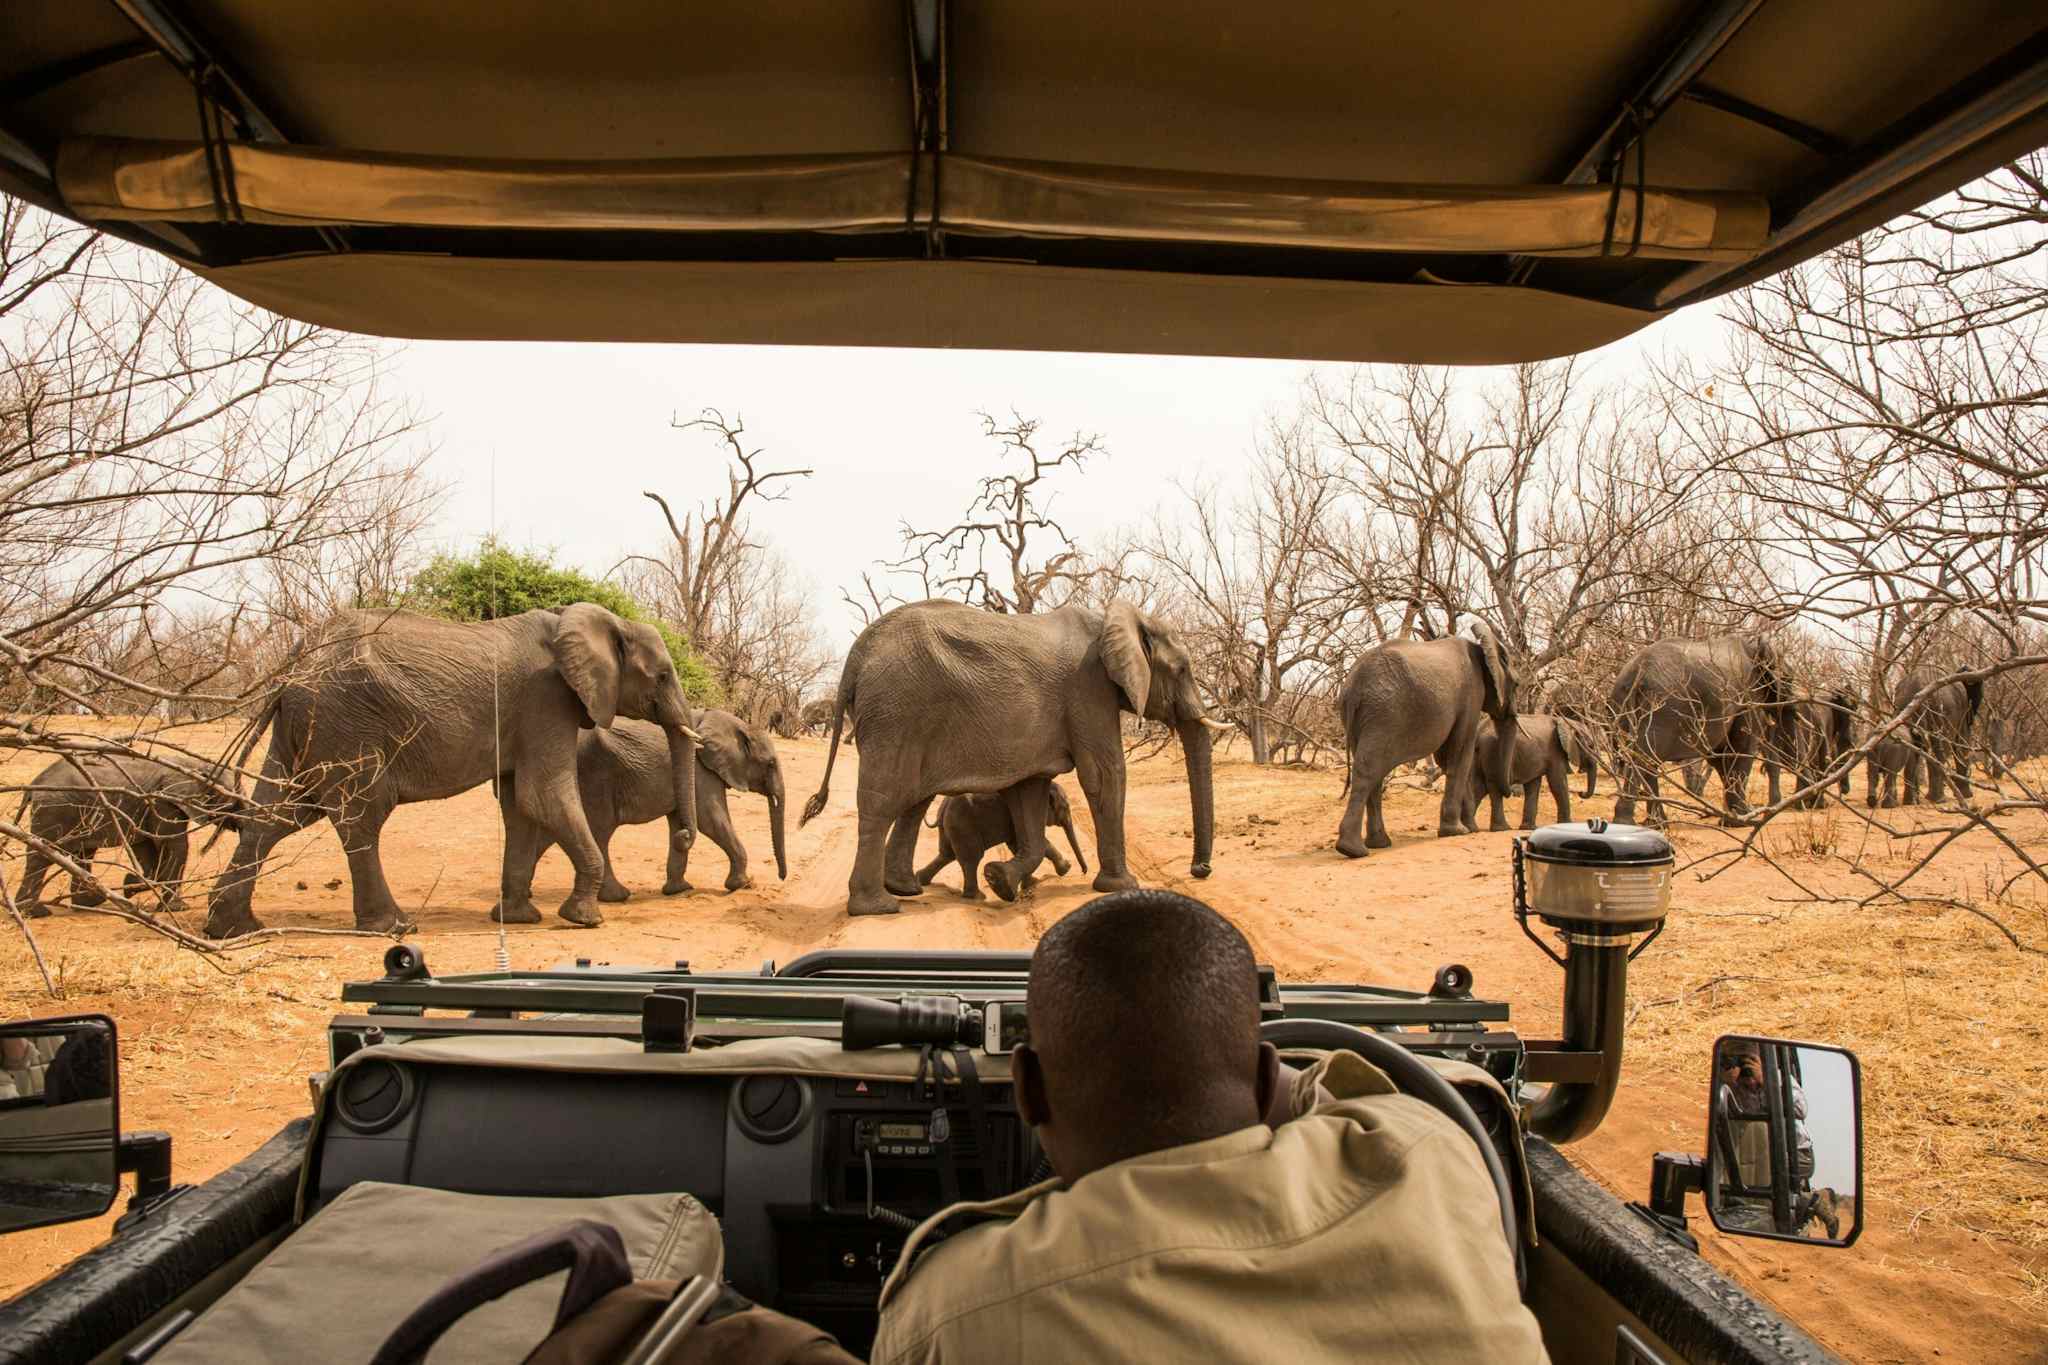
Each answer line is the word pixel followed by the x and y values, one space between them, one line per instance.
pixel 1217 725
pixel 690 734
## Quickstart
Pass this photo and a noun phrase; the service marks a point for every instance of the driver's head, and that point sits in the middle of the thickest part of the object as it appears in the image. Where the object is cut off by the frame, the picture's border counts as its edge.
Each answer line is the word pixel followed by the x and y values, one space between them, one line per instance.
pixel 1144 1009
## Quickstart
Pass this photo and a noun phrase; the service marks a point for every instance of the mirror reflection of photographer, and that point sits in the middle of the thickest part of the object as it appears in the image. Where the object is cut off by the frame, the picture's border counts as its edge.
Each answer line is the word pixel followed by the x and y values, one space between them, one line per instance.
pixel 1749 1194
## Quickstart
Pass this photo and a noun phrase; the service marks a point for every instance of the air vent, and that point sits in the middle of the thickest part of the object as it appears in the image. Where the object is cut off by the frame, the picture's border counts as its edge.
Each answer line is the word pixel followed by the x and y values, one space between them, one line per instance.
pixel 771 1108
pixel 374 1095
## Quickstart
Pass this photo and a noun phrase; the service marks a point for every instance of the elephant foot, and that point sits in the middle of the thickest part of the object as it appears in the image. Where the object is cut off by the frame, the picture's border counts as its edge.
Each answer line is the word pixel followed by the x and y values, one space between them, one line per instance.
pixel 170 905
pixel 738 881
pixel 997 875
pixel 521 911
pixel 1734 821
pixel 230 924
pixel 387 920
pixel 1061 867
pixel 970 892
pixel 581 912
pixel 910 890
pixel 1351 848
pixel 676 886
pixel 1452 831
pixel 612 893
pixel 875 904
pixel 36 910
pixel 88 898
pixel 1501 827
pixel 1381 839
pixel 1121 881
pixel 1198 871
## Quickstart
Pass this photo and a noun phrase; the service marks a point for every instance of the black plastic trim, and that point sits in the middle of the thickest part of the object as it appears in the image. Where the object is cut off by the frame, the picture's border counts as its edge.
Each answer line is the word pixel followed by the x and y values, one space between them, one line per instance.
pixel 118 1286
pixel 1701 1313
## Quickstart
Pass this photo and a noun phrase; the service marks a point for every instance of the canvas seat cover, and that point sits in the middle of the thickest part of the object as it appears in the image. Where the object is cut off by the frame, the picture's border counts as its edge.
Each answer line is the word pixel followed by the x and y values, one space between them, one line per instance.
pixel 334 1290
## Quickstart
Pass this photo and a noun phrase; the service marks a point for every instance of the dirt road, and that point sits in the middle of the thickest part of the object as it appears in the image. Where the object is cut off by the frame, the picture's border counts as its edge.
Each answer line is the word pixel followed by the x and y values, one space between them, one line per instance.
pixel 1952 1265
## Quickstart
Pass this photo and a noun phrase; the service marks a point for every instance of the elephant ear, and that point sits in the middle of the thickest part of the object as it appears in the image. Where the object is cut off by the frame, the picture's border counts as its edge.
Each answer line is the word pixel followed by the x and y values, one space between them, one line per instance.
pixel 1123 654
pixel 1500 678
pixel 588 656
pixel 724 750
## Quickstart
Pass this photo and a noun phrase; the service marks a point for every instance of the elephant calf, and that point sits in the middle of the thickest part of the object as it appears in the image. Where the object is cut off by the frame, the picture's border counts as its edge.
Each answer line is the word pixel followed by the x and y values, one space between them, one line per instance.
pixel 1546 748
pixel 85 804
pixel 1893 763
pixel 625 778
pixel 971 825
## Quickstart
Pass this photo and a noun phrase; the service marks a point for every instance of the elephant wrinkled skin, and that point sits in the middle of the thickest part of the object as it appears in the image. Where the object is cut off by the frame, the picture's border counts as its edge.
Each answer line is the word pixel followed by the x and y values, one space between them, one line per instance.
pixel 1812 733
pixel 971 825
pixel 624 777
pixel 1681 701
pixel 94 801
pixel 387 708
pixel 1412 699
pixel 951 699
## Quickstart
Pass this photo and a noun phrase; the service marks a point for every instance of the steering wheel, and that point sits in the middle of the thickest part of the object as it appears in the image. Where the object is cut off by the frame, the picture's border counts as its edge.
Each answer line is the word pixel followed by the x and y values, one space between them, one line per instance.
pixel 1414 1078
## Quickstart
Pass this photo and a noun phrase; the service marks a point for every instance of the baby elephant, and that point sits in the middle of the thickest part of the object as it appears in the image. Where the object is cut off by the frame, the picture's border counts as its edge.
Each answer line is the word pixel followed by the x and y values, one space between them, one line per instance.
pixel 1547 748
pixel 1893 763
pixel 623 775
pixel 971 825
pixel 97 801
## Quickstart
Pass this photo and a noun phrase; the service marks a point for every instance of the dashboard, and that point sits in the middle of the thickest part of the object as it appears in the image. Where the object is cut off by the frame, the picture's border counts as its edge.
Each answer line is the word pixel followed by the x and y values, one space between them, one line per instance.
pixel 788 1163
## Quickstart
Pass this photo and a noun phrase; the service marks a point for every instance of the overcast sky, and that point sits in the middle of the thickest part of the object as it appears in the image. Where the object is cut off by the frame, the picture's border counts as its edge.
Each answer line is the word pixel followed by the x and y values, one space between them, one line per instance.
pixel 577 431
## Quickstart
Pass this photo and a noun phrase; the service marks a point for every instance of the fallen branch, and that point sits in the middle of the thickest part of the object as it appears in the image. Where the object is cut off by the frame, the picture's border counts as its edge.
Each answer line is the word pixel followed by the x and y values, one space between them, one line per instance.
pixel 1679 998
pixel 21 923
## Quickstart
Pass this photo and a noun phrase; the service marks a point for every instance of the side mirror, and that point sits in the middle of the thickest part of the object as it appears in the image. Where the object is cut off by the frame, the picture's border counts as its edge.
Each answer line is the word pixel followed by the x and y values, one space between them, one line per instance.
pixel 1785 1141
pixel 60 1121
pixel 1784 1147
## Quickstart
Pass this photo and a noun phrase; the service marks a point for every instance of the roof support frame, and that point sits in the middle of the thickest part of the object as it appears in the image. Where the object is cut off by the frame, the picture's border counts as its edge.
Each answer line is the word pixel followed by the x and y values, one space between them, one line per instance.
pixel 45 78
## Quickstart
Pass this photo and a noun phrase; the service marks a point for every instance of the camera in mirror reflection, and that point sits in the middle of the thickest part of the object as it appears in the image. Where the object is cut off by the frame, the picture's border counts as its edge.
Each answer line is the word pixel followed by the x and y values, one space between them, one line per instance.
pixel 1784 1151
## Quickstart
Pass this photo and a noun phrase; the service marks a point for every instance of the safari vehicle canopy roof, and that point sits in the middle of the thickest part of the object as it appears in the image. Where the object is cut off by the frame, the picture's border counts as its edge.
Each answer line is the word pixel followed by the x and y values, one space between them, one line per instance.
pixel 1475 183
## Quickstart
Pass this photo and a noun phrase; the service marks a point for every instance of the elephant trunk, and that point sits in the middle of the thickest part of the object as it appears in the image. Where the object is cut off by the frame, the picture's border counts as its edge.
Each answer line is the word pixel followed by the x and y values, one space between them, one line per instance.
pixel 1505 737
pixel 682 765
pixel 1589 754
pixel 775 808
pixel 1196 743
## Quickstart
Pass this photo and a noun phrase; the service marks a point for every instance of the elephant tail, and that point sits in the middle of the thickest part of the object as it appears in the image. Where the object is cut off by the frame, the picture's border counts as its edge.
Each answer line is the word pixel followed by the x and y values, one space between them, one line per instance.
pixel 840 706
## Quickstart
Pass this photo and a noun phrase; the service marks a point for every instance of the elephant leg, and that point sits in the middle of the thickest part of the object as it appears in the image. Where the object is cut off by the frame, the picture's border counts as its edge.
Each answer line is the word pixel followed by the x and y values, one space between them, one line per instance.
pixel 525 842
pixel 1376 835
pixel 1455 758
pixel 282 811
pixel 172 852
pixel 677 878
pixel 35 866
pixel 1959 770
pixel 609 888
pixel 361 829
pixel 1529 791
pixel 939 861
pixel 1496 811
pixel 1353 839
pixel 1560 779
pixel 864 893
pixel 1102 783
pixel 899 866
pixel 970 870
pixel 552 802
pixel 1912 781
pixel 1734 772
pixel 1060 865
pixel 714 821
pixel 1027 804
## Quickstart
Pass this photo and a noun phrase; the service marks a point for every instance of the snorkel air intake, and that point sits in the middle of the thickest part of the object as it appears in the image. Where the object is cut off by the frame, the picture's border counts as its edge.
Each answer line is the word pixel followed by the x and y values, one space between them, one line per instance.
pixel 1597 887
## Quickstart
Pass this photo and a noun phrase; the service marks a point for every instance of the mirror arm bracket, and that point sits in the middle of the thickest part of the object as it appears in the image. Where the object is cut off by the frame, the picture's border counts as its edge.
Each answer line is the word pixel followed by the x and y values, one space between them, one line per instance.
pixel 148 1155
pixel 1672 1176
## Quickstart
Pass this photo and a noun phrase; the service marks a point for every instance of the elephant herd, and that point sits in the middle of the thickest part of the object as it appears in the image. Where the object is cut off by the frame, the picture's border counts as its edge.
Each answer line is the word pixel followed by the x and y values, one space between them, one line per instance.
pixel 577 719
pixel 575 716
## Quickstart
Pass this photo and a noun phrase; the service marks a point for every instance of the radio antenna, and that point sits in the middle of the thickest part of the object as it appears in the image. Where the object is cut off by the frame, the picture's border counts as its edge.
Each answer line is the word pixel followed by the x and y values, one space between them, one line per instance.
pixel 497 743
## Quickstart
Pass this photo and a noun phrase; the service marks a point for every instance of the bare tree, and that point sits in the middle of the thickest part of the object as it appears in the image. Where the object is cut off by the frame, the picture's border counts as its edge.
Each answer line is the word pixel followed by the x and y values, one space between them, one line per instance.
pixel 1007 552
pixel 166 456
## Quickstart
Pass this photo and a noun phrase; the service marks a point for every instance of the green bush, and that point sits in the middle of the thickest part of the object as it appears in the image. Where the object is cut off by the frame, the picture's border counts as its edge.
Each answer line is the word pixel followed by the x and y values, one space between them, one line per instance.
pixel 497 581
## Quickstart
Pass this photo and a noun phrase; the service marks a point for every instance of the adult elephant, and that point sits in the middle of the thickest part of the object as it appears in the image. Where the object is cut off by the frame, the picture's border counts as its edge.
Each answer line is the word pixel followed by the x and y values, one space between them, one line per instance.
pixel 623 775
pixel 952 700
pixel 387 708
pixel 1411 699
pixel 1941 730
pixel 1808 738
pixel 1684 701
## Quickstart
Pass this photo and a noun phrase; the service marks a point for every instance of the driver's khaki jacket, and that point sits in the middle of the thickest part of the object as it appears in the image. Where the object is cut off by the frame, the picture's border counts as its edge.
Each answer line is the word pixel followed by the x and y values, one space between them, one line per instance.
pixel 1364 1230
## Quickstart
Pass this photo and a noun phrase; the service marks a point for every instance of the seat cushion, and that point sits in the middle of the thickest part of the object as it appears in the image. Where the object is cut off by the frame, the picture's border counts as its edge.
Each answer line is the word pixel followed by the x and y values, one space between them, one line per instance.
pixel 333 1290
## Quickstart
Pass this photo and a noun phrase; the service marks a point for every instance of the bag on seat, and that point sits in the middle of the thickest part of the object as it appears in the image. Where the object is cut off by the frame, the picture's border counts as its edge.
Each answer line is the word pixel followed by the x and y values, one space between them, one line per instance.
pixel 334 1290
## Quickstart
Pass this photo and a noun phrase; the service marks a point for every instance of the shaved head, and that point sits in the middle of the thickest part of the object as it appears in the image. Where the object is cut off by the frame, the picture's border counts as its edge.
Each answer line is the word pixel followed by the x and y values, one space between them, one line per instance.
pixel 1144 1009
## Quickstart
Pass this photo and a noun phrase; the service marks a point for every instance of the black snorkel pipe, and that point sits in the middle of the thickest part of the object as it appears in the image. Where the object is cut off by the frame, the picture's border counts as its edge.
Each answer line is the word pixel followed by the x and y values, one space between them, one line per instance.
pixel 1599 887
